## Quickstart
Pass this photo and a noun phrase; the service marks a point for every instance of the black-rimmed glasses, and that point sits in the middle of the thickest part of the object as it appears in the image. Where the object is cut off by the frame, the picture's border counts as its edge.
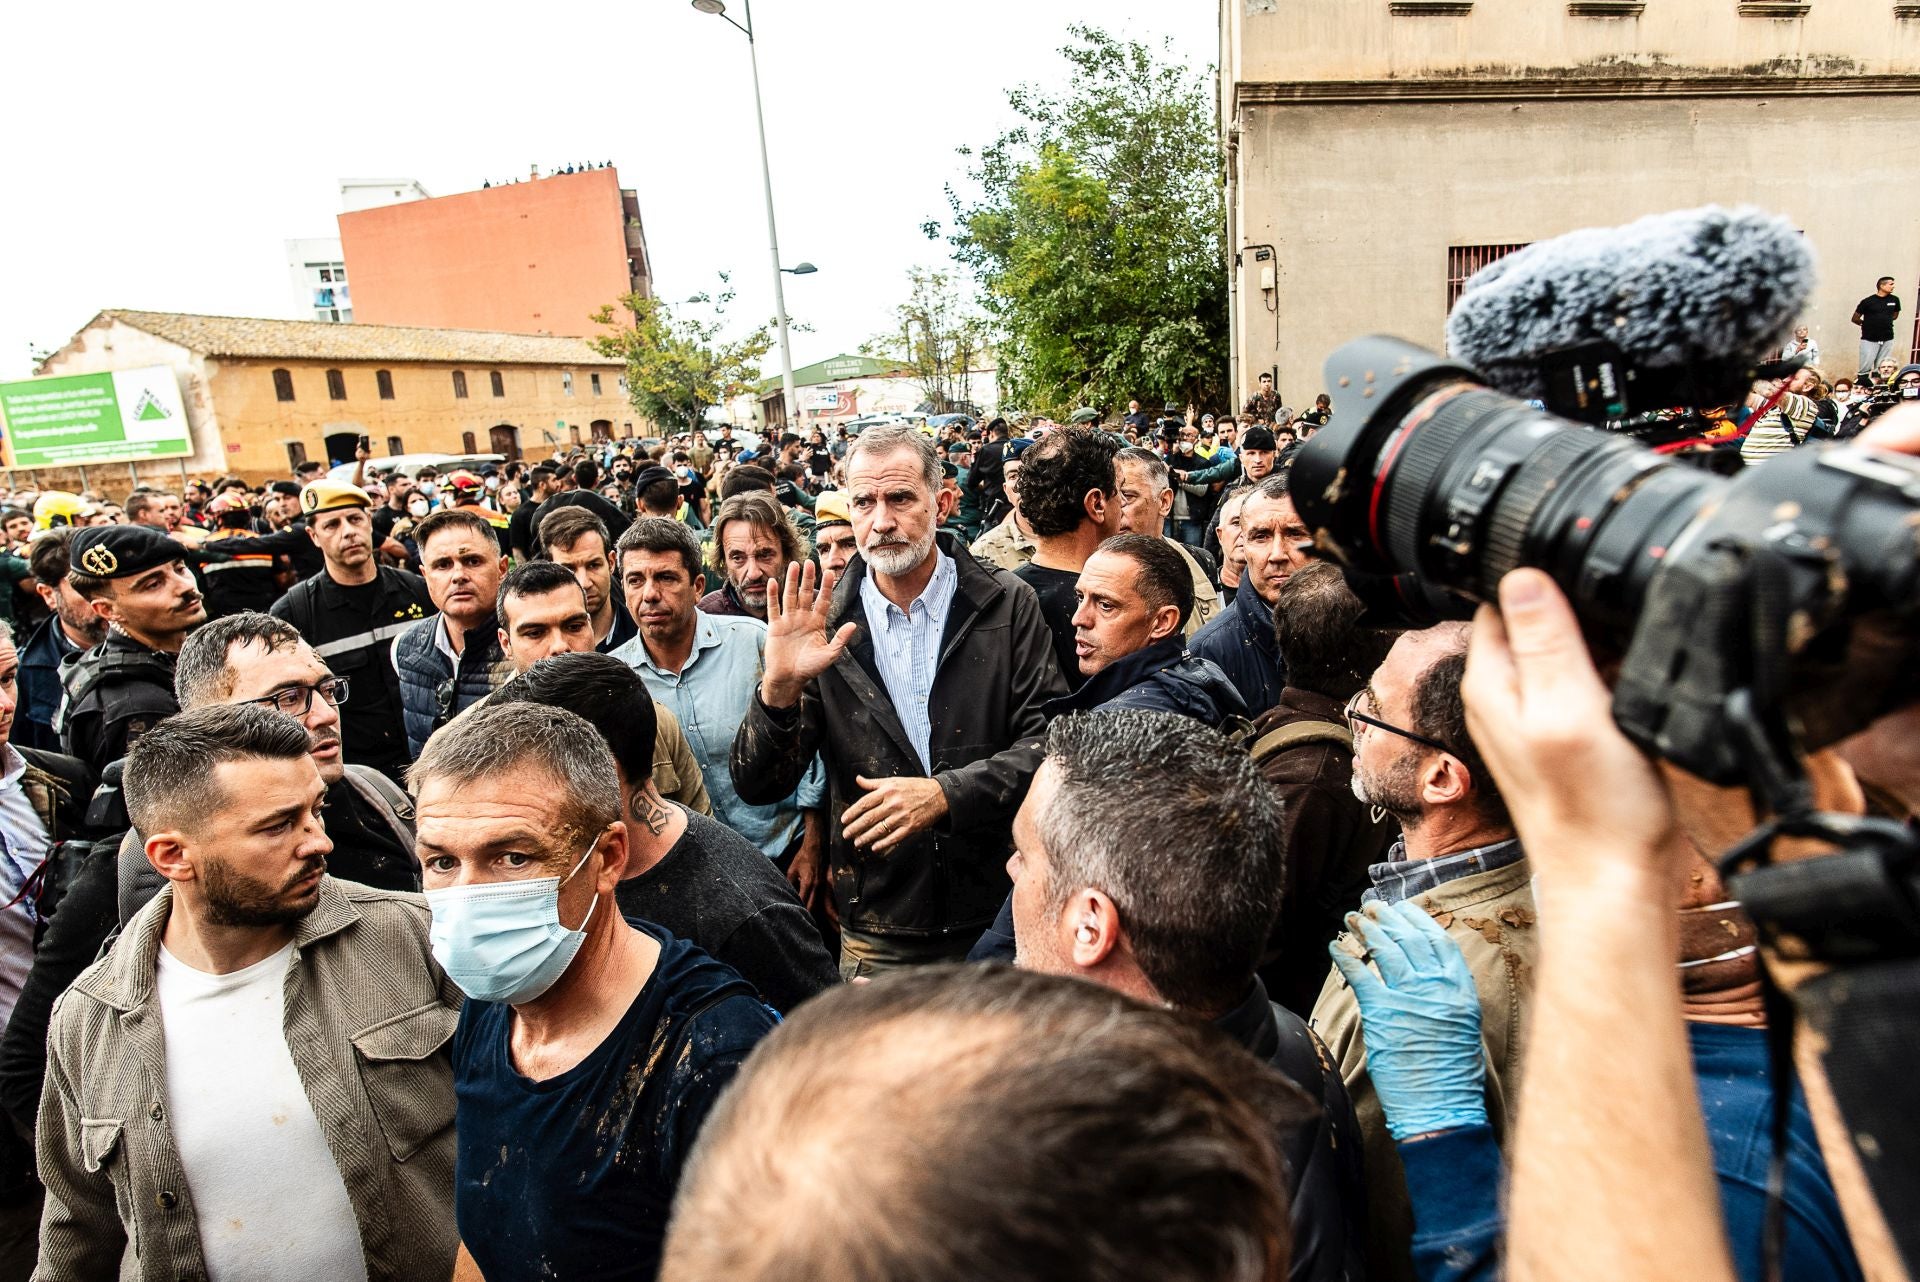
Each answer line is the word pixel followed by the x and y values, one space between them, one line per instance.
pixel 296 700
pixel 1352 713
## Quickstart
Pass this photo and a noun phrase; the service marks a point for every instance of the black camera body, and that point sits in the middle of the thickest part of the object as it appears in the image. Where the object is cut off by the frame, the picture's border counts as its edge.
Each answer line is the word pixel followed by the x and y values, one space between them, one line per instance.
pixel 1795 585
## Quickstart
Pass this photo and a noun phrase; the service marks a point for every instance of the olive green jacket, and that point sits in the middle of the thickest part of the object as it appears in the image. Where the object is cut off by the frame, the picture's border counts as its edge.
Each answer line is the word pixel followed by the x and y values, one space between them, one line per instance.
pixel 1490 915
pixel 369 1021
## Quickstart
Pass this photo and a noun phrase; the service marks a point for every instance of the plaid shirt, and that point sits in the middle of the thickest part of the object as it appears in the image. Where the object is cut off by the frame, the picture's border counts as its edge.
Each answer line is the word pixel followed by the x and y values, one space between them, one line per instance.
pixel 1403 878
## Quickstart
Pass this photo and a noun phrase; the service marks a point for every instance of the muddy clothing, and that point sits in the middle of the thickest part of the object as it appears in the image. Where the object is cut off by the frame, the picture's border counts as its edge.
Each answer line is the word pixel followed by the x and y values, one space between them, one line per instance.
pixel 115 692
pixel 1163 677
pixel 1329 1204
pixel 716 890
pixel 573 1177
pixel 993 669
pixel 1490 915
pixel 368 1020
pixel 1331 839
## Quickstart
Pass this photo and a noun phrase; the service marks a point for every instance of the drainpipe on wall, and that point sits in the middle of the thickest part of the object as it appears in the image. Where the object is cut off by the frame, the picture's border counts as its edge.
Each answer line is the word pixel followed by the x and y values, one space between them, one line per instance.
pixel 1234 400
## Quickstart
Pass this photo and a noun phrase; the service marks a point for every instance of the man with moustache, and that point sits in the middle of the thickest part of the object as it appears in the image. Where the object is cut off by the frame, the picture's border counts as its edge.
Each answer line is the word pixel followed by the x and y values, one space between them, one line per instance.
pixel 70 628
pixel 255 1081
pixel 137 583
pixel 919 678
pixel 754 543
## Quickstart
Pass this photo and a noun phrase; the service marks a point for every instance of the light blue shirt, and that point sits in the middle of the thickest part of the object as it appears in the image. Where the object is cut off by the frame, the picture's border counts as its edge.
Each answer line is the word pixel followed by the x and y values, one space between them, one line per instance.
pixel 711 695
pixel 906 648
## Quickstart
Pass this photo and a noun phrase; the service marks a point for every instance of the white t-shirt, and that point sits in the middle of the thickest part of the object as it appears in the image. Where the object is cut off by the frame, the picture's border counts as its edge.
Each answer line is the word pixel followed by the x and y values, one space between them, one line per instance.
pixel 267 1197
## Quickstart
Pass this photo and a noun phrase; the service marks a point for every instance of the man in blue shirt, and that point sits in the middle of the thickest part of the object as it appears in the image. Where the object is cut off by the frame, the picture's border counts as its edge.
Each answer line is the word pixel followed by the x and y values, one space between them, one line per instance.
pixel 705 667
pixel 591 1047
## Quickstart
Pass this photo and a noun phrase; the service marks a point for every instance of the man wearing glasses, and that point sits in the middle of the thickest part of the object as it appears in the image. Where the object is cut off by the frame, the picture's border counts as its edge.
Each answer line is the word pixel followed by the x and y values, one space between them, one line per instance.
pixel 1459 859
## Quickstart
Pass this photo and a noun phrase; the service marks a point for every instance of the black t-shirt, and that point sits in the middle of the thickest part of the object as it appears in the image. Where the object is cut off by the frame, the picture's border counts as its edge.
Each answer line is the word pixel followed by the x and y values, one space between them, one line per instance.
pixel 819 460
pixel 716 889
pixel 365 848
pixel 520 530
pixel 616 520
pixel 573 1177
pixel 1057 605
pixel 1876 317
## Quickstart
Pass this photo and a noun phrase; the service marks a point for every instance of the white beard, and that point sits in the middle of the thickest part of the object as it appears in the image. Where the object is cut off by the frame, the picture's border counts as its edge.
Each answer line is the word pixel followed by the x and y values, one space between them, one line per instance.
pixel 899 559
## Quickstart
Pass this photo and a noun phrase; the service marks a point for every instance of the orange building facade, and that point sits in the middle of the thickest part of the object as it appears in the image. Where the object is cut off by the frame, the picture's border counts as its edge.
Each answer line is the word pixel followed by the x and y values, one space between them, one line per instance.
pixel 538 256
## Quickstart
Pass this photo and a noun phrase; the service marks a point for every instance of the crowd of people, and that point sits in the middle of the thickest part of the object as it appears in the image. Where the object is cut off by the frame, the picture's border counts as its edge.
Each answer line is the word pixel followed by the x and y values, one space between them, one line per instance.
pixel 999 851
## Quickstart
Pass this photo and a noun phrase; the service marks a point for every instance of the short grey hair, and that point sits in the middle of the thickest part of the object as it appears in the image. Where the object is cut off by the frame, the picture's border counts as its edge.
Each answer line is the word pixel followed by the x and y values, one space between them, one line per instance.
pixel 6 632
pixel 1155 466
pixel 1272 487
pixel 1196 875
pixel 887 438
pixel 516 739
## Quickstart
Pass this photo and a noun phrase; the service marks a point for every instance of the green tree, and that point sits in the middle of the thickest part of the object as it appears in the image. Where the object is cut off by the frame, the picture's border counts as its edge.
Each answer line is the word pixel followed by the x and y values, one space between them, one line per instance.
pixel 678 367
pixel 940 337
pixel 1096 233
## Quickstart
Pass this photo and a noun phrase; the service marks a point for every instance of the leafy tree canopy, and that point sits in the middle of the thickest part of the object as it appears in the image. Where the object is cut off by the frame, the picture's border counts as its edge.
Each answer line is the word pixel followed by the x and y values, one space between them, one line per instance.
pixel 1096 234
pixel 679 366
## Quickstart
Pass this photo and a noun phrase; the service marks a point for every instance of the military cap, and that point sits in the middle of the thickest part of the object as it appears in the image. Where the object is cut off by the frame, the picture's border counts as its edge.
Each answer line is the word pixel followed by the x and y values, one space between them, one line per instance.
pixel 289 488
pixel 327 496
pixel 652 474
pixel 119 551
pixel 830 508
pixel 1084 416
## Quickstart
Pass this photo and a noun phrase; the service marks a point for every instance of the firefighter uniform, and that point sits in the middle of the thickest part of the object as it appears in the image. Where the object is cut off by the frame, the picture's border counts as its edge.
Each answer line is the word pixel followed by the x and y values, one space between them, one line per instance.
pixel 352 627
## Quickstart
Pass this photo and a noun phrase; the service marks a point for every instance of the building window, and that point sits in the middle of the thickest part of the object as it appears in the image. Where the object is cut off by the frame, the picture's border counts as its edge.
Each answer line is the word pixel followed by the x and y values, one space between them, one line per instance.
pixel 573 433
pixel 296 454
pixel 596 383
pixel 394 447
pixel 460 385
pixel 383 378
pixel 336 385
pixel 621 383
pixel 468 443
pixel 566 381
pixel 499 384
pixel 1464 260
pixel 283 385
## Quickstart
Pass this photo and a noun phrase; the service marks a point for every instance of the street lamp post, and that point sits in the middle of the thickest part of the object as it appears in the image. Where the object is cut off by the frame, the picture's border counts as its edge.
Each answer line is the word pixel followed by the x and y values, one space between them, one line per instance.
pixel 719 9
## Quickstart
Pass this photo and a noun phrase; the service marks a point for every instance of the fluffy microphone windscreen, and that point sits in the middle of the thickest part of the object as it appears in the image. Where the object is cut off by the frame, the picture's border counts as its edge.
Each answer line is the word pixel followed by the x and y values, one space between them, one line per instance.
pixel 1698 291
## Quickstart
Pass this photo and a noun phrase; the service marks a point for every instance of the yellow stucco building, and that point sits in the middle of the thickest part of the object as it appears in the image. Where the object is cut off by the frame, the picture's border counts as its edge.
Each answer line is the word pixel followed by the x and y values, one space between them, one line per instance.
pixel 264 395
pixel 1378 152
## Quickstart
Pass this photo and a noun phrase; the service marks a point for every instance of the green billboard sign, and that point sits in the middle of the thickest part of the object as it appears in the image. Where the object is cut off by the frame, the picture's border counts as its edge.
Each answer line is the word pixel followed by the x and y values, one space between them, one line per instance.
pixel 94 418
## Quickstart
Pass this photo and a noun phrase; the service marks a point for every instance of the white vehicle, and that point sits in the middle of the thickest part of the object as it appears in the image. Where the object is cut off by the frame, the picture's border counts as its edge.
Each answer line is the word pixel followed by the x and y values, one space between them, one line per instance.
pixel 410 464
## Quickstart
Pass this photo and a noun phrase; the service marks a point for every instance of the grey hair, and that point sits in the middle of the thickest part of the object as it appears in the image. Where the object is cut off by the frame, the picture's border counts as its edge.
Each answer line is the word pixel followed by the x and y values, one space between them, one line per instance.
pixel 6 632
pixel 169 777
pixel 887 438
pixel 203 673
pixel 509 741
pixel 1154 466
pixel 1196 874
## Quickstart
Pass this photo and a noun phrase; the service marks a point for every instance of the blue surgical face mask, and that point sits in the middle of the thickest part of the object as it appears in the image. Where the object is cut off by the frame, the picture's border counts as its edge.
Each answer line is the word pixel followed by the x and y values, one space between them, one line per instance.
pixel 502 941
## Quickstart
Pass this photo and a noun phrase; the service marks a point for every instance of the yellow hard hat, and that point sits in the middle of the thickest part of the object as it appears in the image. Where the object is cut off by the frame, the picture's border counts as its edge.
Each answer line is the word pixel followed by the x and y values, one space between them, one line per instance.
pixel 830 508
pixel 55 508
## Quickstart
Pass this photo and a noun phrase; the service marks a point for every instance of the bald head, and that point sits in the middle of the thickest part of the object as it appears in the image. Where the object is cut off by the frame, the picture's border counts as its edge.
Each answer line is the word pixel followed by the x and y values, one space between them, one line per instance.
pixel 1048 1100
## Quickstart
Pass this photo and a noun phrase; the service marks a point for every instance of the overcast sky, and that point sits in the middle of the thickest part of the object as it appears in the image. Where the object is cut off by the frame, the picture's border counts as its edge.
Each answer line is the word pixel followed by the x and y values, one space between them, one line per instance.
pixel 157 156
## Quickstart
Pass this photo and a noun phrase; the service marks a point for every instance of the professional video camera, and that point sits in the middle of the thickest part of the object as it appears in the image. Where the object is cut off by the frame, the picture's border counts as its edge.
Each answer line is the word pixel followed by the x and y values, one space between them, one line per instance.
pixel 1753 618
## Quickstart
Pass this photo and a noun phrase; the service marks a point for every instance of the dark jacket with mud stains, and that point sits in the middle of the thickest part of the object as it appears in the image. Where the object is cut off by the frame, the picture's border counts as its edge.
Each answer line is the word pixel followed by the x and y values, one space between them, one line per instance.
pixel 996 670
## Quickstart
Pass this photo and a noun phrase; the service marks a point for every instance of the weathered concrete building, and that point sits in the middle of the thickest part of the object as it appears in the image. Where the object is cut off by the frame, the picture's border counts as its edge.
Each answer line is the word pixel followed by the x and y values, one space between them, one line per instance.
pixel 1380 151
pixel 264 395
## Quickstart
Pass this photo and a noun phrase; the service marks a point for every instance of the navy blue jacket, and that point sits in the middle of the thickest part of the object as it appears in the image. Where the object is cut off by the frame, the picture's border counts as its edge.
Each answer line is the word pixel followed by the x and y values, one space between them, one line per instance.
pixel 1240 640
pixel 424 672
pixel 40 687
pixel 1164 677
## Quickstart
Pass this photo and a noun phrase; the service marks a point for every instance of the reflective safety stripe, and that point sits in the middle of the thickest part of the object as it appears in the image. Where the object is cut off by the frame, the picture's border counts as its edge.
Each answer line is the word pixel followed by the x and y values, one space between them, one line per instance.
pixel 344 644
pixel 238 563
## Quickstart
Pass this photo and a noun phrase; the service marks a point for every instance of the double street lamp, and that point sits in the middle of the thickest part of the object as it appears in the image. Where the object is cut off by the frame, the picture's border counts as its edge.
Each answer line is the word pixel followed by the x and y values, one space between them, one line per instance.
pixel 719 9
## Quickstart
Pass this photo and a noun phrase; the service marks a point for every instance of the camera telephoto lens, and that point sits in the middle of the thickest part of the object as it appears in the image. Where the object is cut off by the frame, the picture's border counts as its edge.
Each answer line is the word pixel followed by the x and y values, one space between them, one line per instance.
pixel 1437 475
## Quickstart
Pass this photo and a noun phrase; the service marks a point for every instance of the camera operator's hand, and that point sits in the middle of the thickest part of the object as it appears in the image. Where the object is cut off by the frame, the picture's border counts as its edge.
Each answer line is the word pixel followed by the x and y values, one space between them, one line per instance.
pixel 1420 1017
pixel 1583 798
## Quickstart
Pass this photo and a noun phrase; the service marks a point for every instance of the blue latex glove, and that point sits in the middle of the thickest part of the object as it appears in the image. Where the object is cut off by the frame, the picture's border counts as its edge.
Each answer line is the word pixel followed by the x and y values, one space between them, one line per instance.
pixel 1420 1018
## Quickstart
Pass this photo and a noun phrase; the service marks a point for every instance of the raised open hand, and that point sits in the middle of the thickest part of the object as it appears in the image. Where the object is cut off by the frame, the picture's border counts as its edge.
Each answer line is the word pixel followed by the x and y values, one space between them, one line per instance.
pixel 798 647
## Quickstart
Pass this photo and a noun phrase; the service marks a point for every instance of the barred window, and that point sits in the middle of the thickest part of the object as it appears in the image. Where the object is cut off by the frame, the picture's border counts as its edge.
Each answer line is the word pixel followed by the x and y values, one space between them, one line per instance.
pixel 1464 260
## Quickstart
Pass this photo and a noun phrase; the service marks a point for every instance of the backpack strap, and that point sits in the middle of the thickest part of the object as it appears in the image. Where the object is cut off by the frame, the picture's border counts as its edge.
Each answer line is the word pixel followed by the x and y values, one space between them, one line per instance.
pixel 389 799
pixel 1296 733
